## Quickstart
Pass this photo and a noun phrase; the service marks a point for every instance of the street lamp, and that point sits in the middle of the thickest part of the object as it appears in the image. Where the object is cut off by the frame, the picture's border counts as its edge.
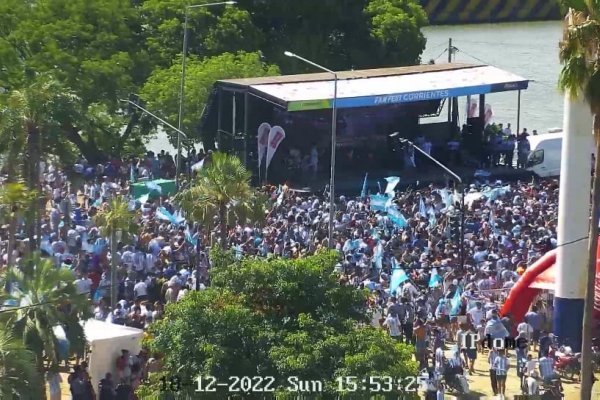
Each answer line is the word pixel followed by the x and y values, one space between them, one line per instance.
pixel 182 87
pixel 333 140
pixel 179 132
pixel 462 191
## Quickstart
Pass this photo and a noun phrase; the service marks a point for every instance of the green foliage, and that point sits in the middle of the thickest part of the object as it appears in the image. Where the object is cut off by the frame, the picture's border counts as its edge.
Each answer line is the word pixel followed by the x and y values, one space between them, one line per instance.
pixel 103 50
pixel 92 47
pixel 211 30
pixel 279 318
pixel 19 378
pixel 161 91
pixel 116 217
pixel 340 34
pixel 392 22
pixel 55 302
pixel 222 183
pixel 578 53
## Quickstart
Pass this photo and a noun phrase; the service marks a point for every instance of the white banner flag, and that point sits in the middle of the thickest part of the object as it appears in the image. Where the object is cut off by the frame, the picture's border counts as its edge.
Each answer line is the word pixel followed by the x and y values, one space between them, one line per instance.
pixel 276 135
pixel 263 140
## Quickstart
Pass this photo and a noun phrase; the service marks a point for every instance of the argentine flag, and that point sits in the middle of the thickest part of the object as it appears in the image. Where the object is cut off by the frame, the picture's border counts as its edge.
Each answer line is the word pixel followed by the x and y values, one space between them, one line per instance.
pixel 435 279
pixel 398 278
pixel 154 186
pixel 363 192
pixel 422 208
pixel 392 182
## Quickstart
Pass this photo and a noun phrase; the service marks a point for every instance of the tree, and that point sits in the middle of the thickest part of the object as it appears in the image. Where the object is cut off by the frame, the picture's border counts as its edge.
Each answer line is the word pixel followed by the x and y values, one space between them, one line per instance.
pixel 19 378
pixel 161 91
pixel 340 34
pixel 15 200
pixel 95 51
pixel 212 30
pixel 114 221
pixel 222 183
pixel 580 75
pixel 278 318
pixel 48 299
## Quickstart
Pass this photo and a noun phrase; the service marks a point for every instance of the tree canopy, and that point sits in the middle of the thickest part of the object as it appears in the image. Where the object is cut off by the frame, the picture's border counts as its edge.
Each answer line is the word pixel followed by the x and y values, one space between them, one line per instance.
pixel 279 318
pixel 105 50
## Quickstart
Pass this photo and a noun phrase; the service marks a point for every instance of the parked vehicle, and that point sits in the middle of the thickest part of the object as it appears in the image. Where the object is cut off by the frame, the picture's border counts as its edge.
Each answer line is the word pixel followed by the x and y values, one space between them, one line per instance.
pixel 545 155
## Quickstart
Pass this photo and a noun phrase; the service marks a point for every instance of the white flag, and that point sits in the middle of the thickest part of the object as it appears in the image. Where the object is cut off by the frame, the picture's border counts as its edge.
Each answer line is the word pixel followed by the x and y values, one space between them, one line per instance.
pixel 263 140
pixel 276 135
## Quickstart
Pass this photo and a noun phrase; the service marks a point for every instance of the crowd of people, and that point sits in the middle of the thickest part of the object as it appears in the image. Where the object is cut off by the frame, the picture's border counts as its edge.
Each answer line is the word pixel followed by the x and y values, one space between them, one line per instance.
pixel 446 290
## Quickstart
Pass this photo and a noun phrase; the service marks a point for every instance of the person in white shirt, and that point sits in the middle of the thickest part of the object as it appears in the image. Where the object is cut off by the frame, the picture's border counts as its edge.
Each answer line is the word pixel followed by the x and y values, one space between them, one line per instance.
pixel 140 290
pixel 476 313
pixel 409 290
pixel 392 323
pixel 526 329
pixel 533 387
pixel 83 285
pixel 507 131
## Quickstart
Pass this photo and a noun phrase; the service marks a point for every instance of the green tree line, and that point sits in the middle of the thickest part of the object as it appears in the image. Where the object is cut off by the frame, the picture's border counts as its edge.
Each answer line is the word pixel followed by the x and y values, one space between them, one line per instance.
pixel 66 63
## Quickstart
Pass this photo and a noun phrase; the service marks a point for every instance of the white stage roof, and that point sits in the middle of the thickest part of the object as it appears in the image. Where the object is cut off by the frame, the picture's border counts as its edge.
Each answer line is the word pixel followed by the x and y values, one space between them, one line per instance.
pixel 383 86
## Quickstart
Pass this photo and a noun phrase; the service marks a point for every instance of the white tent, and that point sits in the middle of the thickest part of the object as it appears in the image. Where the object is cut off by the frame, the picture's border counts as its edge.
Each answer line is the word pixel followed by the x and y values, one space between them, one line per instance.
pixel 106 341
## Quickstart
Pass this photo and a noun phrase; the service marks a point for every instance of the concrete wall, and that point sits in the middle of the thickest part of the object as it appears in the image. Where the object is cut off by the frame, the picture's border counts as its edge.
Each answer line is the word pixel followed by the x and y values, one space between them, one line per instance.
pixel 450 12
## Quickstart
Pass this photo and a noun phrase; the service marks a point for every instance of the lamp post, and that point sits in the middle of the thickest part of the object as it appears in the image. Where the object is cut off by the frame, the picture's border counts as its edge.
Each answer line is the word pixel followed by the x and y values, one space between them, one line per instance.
pixel 182 85
pixel 179 132
pixel 462 192
pixel 333 141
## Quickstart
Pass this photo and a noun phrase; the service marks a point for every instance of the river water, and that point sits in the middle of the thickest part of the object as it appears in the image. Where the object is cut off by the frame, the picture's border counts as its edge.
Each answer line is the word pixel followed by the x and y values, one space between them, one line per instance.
pixel 528 49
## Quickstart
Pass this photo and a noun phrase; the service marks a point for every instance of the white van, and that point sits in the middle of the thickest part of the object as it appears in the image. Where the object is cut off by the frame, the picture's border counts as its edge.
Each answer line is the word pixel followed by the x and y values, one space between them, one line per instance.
pixel 546 150
pixel 544 158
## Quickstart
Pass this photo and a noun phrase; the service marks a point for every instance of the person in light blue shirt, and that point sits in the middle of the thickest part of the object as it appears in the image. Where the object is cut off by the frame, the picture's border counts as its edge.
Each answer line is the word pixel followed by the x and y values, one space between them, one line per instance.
pixel 495 328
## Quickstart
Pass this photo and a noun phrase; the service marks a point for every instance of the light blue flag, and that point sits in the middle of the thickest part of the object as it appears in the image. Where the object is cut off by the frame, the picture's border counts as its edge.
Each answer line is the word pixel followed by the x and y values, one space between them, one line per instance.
pixel 422 209
pixel 351 245
pixel 446 197
pixel 455 302
pixel 379 202
pixel 378 256
pixel 392 182
pixel 435 279
pixel 189 238
pixel 163 214
pixel 154 186
pixel 398 278
pixel 396 217
pixel 493 223
pixel 280 198
pixel 363 192
pixel 432 220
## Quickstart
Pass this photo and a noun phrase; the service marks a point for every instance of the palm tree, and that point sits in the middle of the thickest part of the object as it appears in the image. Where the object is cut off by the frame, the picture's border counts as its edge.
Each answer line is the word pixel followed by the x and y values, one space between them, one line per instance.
pixel 113 221
pixel 19 377
pixel 47 299
pixel 15 200
pixel 221 185
pixel 580 75
pixel 31 119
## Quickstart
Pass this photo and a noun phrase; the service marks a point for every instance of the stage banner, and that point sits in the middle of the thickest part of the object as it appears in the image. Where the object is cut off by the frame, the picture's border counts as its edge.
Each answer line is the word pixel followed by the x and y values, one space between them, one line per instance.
pixel 276 135
pixel 263 140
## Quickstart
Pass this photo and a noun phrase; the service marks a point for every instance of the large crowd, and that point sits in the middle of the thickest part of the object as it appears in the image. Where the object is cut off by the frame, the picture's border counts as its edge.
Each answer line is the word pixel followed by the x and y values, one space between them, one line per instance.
pixel 444 290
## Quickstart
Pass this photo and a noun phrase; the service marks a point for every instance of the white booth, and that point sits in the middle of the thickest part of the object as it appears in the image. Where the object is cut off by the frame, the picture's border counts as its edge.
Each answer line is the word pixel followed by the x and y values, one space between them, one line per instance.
pixel 105 342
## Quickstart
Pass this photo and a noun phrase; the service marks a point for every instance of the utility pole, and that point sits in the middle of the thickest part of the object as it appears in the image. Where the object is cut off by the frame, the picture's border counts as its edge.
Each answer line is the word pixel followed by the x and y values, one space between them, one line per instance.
pixel 449 100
